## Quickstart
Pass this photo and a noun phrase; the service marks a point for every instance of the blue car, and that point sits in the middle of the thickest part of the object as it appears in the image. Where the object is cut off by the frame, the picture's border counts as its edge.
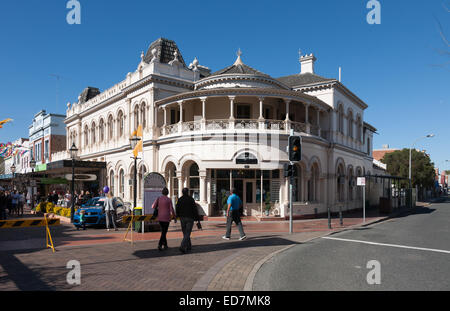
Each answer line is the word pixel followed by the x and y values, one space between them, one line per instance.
pixel 94 212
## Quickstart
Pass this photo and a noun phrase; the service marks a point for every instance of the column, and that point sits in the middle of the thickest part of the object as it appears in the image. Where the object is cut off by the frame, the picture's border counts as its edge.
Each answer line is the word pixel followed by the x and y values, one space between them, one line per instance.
pixel 180 125
pixel 308 125
pixel 318 123
pixel 165 121
pixel 232 98
pixel 202 187
pixel 287 121
pixel 180 183
pixel 203 124
pixel 261 117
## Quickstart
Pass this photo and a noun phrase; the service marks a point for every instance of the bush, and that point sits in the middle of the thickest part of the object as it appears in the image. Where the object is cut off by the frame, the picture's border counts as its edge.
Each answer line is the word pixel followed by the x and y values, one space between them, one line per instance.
pixel 57 210
pixel 65 212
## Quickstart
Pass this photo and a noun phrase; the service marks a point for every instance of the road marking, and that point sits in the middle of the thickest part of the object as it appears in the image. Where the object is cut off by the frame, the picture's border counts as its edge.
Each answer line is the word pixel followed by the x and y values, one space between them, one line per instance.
pixel 390 245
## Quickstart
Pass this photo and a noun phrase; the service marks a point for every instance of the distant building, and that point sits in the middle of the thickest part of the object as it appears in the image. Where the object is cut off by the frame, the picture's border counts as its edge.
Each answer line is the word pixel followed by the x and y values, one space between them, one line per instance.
pixel 379 154
pixel 19 157
pixel 47 136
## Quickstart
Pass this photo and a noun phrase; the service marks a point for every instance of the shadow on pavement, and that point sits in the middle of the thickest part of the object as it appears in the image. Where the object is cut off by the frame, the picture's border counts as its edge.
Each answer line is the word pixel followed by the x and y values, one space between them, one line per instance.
pixel 208 248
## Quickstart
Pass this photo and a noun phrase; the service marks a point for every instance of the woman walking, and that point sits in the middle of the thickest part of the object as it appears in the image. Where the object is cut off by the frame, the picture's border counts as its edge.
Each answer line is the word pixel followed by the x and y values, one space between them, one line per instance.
pixel 165 214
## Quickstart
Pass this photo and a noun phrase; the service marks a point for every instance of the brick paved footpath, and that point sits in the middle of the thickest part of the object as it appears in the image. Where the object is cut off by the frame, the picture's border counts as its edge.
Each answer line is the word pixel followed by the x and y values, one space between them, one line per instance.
pixel 108 263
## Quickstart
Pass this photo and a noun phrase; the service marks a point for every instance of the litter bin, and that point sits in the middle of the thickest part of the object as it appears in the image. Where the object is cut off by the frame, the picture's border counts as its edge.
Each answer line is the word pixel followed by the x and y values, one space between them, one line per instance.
pixel 137 224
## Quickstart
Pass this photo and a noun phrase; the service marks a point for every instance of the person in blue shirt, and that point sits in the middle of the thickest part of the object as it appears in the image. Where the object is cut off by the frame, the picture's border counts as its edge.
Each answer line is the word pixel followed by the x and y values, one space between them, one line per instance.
pixel 233 214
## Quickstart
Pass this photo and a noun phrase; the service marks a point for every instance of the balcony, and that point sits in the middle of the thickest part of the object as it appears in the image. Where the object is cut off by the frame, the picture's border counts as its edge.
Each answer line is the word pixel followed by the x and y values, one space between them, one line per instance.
pixel 239 125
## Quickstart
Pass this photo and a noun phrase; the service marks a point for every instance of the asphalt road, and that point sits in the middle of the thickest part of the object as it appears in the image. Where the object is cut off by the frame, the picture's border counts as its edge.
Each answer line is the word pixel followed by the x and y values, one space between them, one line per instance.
pixel 417 257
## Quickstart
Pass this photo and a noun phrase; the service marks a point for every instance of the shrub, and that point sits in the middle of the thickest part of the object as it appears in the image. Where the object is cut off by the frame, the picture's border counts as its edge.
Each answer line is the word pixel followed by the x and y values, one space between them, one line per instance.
pixel 57 210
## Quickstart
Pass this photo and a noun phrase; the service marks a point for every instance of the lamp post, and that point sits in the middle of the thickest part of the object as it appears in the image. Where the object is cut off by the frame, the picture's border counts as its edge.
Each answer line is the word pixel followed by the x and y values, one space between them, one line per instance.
pixel 133 142
pixel 73 153
pixel 32 165
pixel 13 170
pixel 410 180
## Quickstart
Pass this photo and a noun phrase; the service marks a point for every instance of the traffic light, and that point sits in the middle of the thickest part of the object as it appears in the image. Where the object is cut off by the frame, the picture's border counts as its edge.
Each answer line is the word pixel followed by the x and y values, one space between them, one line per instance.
pixel 288 170
pixel 295 149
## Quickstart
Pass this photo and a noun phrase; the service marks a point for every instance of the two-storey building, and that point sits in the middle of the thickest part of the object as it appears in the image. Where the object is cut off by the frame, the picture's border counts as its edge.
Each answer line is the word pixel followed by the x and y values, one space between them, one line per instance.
pixel 213 131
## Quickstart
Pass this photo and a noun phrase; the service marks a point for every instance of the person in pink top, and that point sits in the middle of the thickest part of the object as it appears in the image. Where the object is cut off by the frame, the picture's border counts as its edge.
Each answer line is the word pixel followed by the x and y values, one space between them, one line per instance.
pixel 165 214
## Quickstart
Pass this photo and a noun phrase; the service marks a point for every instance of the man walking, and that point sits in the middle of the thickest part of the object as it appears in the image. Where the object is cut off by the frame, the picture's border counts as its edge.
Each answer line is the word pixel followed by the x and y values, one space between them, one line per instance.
pixel 233 214
pixel 186 209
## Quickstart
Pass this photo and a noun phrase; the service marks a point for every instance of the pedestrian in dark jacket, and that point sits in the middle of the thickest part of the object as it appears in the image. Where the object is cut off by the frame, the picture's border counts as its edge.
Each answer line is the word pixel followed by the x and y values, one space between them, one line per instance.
pixel 2 206
pixel 186 210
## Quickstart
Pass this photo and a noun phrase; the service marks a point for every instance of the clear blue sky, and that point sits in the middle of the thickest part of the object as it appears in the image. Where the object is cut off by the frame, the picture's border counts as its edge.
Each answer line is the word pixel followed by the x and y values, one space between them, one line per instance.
pixel 393 67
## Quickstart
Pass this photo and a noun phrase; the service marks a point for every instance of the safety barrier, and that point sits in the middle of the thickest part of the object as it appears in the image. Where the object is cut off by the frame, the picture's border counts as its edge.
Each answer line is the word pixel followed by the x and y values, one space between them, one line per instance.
pixel 138 218
pixel 33 222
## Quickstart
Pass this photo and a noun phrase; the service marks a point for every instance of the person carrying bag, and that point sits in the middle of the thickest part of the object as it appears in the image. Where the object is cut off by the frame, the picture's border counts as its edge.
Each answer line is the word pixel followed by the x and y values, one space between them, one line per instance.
pixel 163 209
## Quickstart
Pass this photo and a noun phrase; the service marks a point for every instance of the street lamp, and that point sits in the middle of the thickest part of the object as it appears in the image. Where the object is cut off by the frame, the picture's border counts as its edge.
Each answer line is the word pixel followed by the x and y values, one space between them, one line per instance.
pixel 410 180
pixel 73 153
pixel 13 170
pixel 33 166
pixel 133 142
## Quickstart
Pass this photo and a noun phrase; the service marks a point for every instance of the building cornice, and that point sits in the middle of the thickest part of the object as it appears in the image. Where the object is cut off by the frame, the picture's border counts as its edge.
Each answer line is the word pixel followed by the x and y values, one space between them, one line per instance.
pixel 258 92
pixel 332 84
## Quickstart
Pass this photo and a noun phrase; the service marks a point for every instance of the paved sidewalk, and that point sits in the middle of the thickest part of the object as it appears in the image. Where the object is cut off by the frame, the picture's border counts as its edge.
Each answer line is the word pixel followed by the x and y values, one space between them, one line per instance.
pixel 107 263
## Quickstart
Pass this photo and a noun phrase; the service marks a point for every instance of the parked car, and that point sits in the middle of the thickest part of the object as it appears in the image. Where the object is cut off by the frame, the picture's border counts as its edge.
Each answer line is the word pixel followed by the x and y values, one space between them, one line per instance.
pixel 94 211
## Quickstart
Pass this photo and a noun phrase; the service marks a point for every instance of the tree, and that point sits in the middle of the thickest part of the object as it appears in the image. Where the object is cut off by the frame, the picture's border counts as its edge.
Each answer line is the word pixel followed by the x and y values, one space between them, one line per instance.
pixel 422 172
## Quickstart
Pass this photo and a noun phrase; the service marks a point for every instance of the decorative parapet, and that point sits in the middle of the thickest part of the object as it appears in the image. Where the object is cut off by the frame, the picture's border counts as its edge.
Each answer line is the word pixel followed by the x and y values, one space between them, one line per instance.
pixel 61 155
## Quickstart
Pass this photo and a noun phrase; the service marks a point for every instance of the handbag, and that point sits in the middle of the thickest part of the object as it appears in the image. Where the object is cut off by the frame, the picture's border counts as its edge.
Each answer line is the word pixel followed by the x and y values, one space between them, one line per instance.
pixel 155 210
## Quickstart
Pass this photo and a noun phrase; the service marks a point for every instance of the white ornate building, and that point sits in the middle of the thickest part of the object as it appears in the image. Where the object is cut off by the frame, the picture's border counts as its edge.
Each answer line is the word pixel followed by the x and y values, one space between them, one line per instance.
pixel 209 132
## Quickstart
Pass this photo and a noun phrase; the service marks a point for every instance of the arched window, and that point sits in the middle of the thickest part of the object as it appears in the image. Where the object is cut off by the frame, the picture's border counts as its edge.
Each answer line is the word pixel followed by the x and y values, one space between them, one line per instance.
pixel 350 124
pixel 341 119
pixel 359 124
pixel 110 127
pixel 313 185
pixel 297 186
pixel 136 117
pixel 121 183
pixel 86 136
pixel 93 133
pixel 351 184
pixel 340 183
pixel 194 182
pixel 171 172
pixel 143 116
pixel 111 182
pixel 101 129
pixel 120 124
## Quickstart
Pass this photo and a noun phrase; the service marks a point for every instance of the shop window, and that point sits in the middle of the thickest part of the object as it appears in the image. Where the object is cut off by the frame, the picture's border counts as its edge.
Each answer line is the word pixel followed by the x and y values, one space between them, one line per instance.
pixel 194 182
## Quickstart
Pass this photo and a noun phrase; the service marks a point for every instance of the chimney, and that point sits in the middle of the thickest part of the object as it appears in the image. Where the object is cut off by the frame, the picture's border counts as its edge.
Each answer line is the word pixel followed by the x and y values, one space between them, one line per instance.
pixel 307 63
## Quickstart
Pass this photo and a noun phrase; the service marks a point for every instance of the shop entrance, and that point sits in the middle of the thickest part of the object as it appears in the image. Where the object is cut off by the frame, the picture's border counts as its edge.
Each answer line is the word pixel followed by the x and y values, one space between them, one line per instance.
pixel 245 189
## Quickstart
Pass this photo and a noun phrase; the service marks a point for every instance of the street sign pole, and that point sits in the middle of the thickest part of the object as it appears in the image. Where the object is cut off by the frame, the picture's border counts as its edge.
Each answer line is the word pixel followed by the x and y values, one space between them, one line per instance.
pixel 362 183
pixel 291 180
pixel 364 204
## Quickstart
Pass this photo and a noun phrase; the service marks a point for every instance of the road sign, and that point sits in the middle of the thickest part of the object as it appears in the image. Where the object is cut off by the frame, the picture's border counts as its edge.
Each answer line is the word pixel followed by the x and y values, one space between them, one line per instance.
pixel 361 181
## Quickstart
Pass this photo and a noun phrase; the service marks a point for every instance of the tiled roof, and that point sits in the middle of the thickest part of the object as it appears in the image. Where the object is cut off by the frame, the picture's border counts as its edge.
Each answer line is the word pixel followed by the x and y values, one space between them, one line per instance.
pixel 303 79
pixel 379 154
pixel 239 69
pixel 166 49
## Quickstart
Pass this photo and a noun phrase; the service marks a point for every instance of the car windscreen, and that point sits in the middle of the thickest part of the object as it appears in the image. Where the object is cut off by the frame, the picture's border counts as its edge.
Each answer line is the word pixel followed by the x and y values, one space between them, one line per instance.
pixel 95 202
